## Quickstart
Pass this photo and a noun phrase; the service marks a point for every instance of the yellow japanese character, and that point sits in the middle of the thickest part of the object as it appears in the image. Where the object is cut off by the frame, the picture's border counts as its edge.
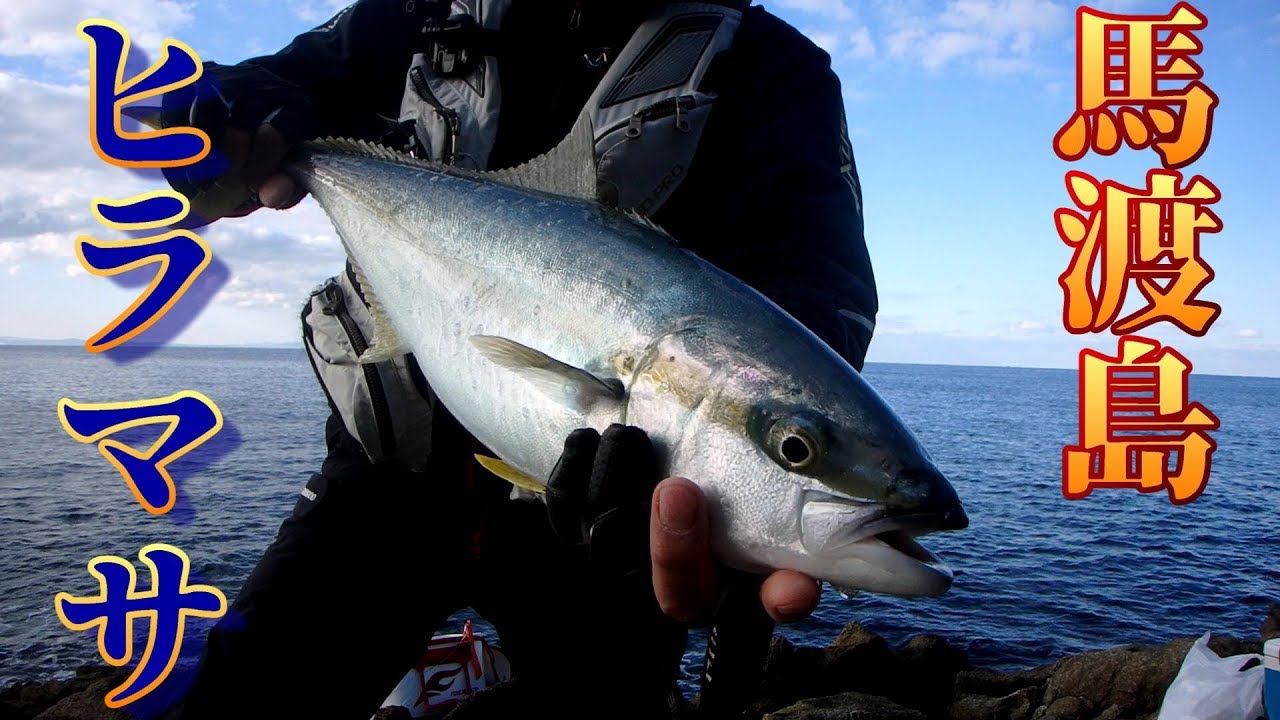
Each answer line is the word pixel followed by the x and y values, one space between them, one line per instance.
pixel 1125 63
pixel 1134 418
pixel 1150 236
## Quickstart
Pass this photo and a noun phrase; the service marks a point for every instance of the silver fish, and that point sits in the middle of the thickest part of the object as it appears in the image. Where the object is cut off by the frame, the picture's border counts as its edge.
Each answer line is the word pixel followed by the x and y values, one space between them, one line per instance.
pixel 533 310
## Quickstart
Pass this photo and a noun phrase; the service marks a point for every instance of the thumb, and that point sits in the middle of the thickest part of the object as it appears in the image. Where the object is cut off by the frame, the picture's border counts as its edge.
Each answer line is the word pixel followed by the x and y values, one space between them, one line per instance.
pixel 684 576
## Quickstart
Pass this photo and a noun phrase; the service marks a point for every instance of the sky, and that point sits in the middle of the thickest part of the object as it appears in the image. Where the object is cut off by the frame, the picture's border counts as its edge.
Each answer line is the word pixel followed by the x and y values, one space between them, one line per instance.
pixel 952 107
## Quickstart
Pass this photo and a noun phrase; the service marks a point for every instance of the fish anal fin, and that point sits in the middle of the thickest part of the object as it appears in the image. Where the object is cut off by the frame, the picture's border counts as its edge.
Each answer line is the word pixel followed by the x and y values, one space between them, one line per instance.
pixel 510 474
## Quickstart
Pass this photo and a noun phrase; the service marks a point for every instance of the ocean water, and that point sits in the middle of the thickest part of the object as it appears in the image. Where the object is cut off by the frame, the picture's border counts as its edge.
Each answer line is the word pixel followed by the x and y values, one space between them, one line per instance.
pixel 1038 576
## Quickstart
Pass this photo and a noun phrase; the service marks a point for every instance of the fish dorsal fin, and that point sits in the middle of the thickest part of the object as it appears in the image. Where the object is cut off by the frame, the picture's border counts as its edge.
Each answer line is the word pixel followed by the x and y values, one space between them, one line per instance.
pixel 364 148
pixel 386 342
pixel 647 223
pixel 559 381
pixel 568 169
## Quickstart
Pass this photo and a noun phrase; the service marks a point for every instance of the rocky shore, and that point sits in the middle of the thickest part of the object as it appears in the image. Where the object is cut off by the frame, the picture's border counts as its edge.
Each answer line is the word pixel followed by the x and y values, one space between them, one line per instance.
pixel 859 676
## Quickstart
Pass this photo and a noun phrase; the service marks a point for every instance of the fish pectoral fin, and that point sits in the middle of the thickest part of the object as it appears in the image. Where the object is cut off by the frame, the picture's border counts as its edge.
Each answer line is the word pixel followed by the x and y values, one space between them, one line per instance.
pixel 386 342
pixel 510 474
pixel 556 379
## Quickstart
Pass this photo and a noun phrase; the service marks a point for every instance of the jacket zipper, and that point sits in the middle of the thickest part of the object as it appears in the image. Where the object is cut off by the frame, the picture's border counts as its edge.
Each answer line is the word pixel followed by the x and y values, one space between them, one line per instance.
pixel 449 115
pixel 677 106
pixel 337 307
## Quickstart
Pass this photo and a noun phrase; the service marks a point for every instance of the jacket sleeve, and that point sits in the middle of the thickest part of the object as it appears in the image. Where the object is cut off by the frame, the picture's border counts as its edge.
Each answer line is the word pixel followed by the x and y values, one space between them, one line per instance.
pixel 773 195
pixel 352 68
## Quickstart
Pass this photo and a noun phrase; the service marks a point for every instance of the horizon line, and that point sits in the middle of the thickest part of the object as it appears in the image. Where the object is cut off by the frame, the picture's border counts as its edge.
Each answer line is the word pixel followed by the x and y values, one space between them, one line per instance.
pixel 9 341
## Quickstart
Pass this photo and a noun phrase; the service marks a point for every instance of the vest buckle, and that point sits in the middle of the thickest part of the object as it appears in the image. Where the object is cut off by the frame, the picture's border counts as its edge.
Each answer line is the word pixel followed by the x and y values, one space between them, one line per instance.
pixel 452 44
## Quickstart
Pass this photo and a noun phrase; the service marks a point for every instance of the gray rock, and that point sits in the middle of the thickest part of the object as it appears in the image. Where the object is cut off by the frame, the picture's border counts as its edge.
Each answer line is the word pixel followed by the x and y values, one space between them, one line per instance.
pixel 1065 708
pixel 1271 624
pixel 1017 705
pixel 86 704
pixel 1124 682
pixel 994 683
pixel 846 706
pixel 79 698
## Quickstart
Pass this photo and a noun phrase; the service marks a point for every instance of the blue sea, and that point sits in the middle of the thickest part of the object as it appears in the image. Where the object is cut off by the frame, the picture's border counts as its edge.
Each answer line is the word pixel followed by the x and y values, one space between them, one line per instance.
pixel 1037 576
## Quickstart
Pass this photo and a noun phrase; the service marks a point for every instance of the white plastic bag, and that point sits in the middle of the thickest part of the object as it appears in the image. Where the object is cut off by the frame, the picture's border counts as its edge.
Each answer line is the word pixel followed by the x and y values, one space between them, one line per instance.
pixel 1209 687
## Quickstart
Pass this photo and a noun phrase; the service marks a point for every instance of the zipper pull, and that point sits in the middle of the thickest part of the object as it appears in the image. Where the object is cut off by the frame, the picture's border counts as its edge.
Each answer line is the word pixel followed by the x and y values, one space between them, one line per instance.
pixel 682 121
pixel 575 19
pixel 633 125
pixel 333 296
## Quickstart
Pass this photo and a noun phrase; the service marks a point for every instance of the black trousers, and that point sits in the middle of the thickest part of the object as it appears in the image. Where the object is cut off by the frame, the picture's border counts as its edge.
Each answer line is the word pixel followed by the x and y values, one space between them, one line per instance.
pixel 342 603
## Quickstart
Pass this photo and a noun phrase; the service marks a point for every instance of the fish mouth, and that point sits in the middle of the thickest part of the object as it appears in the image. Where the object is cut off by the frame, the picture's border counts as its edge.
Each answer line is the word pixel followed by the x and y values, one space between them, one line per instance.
pixel 837 528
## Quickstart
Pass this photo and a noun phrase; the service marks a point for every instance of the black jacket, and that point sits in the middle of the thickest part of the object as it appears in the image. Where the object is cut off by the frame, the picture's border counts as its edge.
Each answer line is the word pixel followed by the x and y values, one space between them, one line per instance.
pixel 772 197
pixel 373 560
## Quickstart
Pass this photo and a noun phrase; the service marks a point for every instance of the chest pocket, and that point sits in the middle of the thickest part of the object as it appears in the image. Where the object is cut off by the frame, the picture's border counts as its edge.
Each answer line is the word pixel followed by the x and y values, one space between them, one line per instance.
pixel 387 405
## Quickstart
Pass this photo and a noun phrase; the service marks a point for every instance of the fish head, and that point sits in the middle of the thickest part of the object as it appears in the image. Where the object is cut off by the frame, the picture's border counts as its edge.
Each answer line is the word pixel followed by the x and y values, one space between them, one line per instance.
pixel 803 463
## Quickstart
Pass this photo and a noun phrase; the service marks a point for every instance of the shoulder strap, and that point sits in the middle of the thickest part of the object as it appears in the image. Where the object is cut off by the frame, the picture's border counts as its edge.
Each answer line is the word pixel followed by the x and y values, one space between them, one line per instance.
pixel 452 94
pixel 651 107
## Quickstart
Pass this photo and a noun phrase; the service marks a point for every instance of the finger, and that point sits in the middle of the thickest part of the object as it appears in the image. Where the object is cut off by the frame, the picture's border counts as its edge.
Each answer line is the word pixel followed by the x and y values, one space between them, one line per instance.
pixel 279 191
pixel 298 194
pixel 227 196
pixel 269 148
pixel 235 145
pixel 684 578
pixel 567 486
pixel 789 596
pixel 625 473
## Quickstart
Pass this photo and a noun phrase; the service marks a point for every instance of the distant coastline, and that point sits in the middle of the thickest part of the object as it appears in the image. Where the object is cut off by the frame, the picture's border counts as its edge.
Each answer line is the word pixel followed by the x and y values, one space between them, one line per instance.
pixel 10 341
pixel 71 342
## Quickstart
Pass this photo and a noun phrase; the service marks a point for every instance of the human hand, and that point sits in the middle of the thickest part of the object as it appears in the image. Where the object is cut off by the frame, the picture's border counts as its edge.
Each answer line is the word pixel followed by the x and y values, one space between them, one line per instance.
pixel 685 579
pixel 598 499
pixel 684 574
pixel 649 547
pixel 253 118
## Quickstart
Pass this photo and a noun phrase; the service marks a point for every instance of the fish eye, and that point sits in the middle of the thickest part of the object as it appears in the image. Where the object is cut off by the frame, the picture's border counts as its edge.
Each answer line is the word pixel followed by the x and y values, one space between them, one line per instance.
pixel 795 444
pixel 795 450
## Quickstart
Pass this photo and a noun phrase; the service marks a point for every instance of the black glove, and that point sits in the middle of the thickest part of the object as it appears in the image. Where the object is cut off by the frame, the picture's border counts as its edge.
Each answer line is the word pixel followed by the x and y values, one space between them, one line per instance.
pixel 241 97
pixel 599 495
pixel 598 500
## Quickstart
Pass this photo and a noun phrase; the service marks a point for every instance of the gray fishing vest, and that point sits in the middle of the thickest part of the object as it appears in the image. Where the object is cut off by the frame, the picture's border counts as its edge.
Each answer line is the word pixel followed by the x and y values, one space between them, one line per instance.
pixel 647 116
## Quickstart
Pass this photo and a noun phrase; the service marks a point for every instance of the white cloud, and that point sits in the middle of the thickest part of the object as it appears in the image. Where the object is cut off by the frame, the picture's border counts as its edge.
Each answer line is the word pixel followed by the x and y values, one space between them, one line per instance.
pixel 895 325
pixel 256 298
pixel 991 36
pixel 33 112
pixel 1016 19
pixel 48 188
pixel 1028 327
pixel 1248 333
pixel 318 11
pixel 48 29
pixel 276 258
pixel 13 269
pixel 42 245
pixel 837 10
pixel 861 46
pixel 828 41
